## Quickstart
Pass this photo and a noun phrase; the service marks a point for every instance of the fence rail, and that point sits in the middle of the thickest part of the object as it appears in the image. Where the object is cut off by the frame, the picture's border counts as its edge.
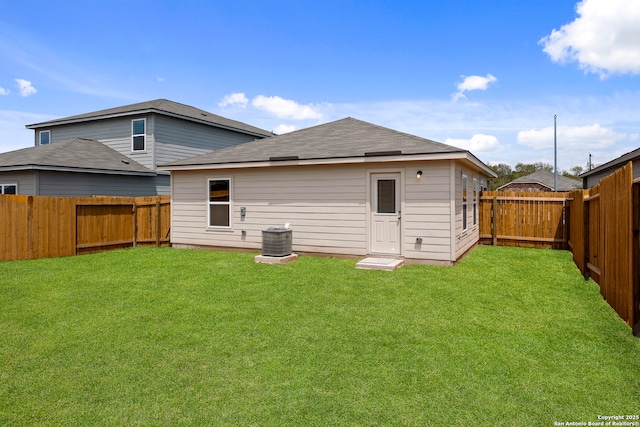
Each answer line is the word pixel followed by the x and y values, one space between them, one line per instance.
pixel 44 227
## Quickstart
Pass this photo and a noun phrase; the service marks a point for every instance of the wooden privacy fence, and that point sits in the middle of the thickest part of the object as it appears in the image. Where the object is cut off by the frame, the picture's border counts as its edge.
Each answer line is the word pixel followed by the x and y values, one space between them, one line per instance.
pixel 532 219
pixel 604 240
pixel 44 227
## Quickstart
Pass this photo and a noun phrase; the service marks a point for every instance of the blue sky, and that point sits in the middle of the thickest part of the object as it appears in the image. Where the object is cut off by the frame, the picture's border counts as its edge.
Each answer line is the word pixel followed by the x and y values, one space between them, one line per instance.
pixel 485 76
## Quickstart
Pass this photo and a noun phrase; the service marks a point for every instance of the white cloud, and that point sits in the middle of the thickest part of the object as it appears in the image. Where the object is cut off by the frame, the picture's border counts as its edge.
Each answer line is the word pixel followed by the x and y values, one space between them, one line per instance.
pixel 478 143
pixel 26 89
pixel 442 120
pixel 160 79
pixel 573 137
pixel 4 91
pixel 285 108
pixel 14 134
pixel 473 83
pixel 234 100
pixel 280 129
pixel 604 39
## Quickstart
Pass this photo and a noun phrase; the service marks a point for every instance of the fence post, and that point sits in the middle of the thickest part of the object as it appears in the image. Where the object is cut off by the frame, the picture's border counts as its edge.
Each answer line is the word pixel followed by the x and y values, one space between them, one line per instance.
pixel 494 221
pixel 30 227
pixel 635 303
pixel 566 218
pixel 158 222
pixel 76 227
pixel 135 225
pixel 586 238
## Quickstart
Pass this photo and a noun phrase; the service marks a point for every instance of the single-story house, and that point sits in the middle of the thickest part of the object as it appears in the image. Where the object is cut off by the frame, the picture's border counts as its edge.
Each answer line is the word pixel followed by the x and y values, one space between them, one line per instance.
pixel 344 188
pixel 592 177
pixel 541 181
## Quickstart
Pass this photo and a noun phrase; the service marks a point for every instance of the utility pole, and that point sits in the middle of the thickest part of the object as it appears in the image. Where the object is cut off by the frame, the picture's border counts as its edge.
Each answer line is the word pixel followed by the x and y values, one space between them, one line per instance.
pixel 555 155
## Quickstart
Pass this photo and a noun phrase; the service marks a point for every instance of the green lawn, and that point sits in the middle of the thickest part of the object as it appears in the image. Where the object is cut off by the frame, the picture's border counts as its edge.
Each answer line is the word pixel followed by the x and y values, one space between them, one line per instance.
pixel 508 337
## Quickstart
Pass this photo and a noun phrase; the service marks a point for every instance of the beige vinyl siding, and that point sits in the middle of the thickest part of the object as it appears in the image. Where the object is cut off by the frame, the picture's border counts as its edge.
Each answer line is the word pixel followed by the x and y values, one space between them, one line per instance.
pixel 427 212
pixel 114 133
pixel 327 207
pixel 324 206
pixel 465 239
pixel 178 139
pixel 26 181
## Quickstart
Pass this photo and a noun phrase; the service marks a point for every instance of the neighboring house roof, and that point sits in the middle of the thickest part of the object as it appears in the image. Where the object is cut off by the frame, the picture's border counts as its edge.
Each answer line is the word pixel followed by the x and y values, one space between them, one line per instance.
pixel 546 179
pixel 72 155
pixel 327 143
pixel 159 106
pixel 615 163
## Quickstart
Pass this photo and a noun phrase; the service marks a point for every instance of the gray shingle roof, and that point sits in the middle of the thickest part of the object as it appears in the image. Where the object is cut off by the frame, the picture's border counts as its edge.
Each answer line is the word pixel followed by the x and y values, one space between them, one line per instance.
pixel 73 154
pixel 345 138
pixel 546 178
pixel 160 106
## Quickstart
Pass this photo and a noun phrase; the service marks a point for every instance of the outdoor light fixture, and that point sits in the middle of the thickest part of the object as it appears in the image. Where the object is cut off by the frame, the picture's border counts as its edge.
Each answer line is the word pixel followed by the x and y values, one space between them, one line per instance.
pixel 419 174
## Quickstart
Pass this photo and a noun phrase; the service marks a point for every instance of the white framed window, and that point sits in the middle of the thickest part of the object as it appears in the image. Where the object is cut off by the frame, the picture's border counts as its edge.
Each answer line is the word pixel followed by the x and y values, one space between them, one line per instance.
pixel 475 201
pixel 8 188
pixel 219 203
pixel 44 137
pixel 138 134
pixel 465 190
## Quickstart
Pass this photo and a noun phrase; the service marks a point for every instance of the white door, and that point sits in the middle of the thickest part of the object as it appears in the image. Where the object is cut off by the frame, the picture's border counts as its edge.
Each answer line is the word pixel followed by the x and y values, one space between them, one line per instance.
pixel 385 213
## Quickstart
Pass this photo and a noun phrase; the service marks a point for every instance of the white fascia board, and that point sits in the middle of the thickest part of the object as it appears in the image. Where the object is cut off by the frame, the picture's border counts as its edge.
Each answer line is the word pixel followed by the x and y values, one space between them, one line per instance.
pixel 461 155
pixel 71 169
pixel 88 119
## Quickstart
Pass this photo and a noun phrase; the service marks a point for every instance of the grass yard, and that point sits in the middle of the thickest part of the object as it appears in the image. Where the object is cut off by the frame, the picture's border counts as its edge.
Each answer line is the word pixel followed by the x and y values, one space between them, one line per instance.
pixel 508 337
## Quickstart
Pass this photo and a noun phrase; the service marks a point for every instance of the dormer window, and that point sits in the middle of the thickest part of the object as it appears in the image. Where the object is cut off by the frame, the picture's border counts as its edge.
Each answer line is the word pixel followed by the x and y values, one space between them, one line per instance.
pixel 138 136
pixel 44 137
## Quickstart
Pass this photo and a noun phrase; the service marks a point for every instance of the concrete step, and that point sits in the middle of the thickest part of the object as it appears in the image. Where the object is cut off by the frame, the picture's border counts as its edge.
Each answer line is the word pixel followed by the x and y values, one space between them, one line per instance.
pixel 388 264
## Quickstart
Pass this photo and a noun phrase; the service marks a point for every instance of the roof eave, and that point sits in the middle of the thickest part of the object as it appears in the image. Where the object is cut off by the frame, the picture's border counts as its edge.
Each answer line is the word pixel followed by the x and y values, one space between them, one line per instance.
pixel 613 164
pixel 73 169
pixel 457 155
pixel 139 112
pixel 524 182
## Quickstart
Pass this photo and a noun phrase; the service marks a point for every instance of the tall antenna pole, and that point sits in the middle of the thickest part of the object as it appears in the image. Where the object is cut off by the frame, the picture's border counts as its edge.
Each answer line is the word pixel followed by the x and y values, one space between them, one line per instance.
pixel 555 155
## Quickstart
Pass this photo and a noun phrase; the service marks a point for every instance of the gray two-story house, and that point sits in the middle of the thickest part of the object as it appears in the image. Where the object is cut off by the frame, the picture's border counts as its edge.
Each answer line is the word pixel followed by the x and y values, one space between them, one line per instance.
pixel 116 151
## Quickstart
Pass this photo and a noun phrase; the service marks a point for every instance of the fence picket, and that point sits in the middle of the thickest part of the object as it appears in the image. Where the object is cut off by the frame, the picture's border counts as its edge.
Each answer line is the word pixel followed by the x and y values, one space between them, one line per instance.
pixel 604 228
pixel 43 227
pixel 523 219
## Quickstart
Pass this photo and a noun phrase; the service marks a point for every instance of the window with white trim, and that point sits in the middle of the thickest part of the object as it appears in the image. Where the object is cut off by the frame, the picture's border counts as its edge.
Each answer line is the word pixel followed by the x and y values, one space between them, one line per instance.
pixel 475 201
pixel 219 203
pixel 138 135
pixel 8 188
pixel 465 189
pixel 44 137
